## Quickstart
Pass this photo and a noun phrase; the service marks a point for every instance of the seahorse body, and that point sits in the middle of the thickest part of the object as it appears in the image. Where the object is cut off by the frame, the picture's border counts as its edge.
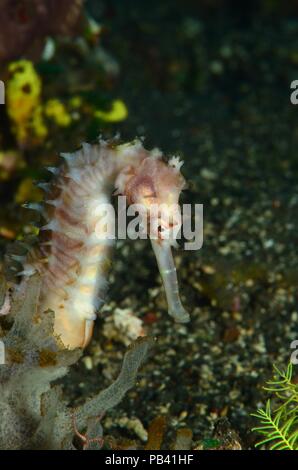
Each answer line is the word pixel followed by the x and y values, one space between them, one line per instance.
pixel 73 257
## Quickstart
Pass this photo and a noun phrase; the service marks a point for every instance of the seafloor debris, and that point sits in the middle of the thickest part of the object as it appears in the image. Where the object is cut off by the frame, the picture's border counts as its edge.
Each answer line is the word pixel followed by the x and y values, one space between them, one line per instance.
pixel 123 326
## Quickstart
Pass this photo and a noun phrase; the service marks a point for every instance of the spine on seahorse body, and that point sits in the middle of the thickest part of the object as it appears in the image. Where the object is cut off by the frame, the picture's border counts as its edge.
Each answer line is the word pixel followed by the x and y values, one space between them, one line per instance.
pixel 72 257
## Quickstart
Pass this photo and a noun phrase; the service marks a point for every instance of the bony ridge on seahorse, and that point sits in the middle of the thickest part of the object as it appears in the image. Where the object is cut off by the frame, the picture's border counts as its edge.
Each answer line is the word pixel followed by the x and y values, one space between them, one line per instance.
pixel 72 256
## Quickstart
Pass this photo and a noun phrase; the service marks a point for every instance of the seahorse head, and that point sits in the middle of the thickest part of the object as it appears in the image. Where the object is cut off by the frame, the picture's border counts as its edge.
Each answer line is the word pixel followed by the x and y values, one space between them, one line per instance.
pixel 155 185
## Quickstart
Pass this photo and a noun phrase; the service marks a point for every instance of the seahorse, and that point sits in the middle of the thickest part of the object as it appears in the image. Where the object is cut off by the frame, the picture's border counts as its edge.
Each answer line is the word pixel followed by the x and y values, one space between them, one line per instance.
pixel 73 254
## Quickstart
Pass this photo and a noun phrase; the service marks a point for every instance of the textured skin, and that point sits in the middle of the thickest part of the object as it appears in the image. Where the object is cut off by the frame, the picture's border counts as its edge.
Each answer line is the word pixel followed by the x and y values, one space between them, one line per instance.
pixel 73 256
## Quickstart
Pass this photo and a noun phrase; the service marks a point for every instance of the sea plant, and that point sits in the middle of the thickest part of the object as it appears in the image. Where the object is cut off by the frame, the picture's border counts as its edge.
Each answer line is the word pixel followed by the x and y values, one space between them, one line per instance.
pixel 279 420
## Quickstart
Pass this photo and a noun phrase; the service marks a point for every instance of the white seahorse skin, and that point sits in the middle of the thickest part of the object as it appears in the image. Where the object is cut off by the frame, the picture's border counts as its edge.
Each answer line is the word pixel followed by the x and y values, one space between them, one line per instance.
pixel 73 255
pixel 74 276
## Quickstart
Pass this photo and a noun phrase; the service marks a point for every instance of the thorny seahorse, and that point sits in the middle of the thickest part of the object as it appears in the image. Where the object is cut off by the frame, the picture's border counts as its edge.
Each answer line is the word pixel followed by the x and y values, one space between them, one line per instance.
pixel 72 257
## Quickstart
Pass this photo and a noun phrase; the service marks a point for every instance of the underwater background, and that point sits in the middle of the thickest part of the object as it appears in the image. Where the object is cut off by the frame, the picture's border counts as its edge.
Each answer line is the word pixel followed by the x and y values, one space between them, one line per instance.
pixel 209 81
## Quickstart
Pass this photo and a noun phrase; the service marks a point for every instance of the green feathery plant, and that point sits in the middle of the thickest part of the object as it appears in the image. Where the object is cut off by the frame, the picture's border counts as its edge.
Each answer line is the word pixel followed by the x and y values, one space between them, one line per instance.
pixel 279 424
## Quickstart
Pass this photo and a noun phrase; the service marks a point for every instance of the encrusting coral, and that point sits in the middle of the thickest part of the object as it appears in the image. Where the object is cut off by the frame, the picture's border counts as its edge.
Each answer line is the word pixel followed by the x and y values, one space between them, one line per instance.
pixel 25 106
pixel 31 114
